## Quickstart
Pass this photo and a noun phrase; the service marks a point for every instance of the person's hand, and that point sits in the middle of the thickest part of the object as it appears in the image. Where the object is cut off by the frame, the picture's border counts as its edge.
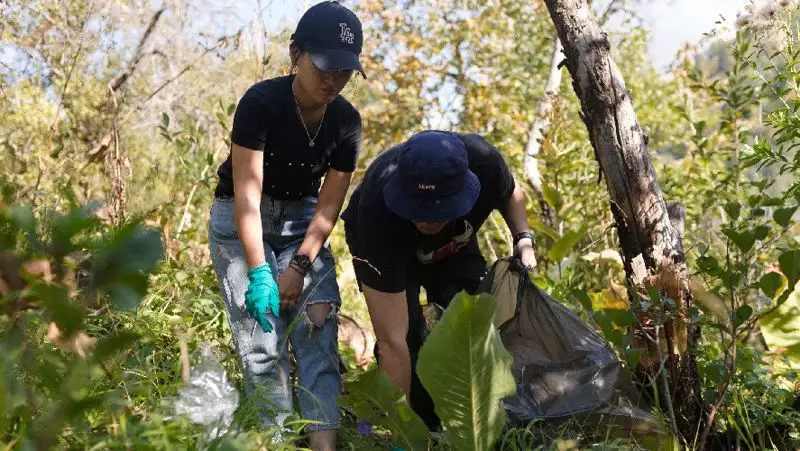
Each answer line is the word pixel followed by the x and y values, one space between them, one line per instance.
pixel 262 296
pixel 290 285
pixel 524 251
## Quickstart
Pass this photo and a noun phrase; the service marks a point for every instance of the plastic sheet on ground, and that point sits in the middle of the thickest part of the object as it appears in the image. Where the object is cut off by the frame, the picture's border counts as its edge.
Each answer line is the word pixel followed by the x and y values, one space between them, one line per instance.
pixel 209 398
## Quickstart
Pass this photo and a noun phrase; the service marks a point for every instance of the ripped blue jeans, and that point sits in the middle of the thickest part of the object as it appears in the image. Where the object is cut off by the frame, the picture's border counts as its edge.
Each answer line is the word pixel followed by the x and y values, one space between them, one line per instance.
pixel 264 356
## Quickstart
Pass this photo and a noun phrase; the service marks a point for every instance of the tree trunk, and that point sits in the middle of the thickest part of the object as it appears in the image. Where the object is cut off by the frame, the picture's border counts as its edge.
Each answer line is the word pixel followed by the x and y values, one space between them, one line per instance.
pixel 540 126
pixel 652 247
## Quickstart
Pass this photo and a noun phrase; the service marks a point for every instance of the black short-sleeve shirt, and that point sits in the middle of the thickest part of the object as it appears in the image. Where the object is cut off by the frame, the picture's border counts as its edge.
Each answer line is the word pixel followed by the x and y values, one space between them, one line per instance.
pixel 383 244
pixel 267 120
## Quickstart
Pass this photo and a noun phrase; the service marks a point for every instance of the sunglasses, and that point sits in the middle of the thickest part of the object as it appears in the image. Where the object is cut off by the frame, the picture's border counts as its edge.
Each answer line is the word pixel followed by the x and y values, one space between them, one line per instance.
pixel 335 74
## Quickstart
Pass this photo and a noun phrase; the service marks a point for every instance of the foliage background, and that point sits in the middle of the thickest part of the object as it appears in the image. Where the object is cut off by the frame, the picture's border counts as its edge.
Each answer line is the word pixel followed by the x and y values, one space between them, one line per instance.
pixel 130 103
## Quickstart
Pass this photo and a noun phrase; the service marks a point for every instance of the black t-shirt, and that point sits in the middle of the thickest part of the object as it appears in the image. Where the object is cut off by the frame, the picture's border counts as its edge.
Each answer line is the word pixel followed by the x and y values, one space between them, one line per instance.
pixel 383 244
pixel 267 120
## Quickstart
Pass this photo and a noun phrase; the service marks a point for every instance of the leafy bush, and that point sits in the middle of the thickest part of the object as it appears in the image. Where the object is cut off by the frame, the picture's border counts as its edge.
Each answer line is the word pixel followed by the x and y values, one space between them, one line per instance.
pixel 56 269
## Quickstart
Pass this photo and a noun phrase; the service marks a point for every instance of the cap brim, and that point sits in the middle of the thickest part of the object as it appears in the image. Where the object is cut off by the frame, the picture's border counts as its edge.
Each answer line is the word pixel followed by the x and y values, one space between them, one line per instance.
pixel 335 59
pixel 439 210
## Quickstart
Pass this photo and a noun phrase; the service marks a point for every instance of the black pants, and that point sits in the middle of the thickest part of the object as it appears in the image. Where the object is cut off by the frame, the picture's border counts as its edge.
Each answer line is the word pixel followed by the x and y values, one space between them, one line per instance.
pixel 441 281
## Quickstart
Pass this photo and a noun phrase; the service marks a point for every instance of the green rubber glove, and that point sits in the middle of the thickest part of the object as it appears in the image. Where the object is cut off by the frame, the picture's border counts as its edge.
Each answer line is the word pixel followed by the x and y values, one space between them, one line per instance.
pixel 262 296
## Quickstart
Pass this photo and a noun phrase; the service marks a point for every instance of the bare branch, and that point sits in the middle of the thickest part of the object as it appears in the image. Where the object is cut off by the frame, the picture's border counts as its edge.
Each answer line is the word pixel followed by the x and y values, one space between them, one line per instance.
pixel 123 77
pixel 603 234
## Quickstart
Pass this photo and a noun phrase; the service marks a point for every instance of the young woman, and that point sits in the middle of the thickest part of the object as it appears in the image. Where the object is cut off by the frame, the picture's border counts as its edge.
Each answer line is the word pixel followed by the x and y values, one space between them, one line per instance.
pixel 270 221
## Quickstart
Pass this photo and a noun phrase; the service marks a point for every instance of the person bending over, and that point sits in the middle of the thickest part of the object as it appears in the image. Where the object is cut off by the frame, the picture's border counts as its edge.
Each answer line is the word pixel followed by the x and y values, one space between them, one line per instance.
pixel 413 222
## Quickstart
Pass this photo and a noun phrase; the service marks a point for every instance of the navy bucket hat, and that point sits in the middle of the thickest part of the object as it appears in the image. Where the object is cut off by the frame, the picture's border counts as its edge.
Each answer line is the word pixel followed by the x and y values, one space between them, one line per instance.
pixel 432 181
pixel 332 36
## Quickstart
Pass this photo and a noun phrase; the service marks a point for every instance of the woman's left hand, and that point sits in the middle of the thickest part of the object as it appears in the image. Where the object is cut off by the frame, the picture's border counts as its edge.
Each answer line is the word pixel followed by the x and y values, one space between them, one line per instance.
pixel 290 285
pixel 524 251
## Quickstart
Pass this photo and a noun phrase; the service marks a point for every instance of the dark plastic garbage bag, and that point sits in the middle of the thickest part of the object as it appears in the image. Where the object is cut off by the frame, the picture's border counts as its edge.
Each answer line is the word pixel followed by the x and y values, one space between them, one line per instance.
pixel 562 367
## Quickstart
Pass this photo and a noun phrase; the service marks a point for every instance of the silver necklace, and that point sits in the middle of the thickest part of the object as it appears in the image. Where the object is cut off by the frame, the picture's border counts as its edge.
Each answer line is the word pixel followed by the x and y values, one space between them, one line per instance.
pixel 300 115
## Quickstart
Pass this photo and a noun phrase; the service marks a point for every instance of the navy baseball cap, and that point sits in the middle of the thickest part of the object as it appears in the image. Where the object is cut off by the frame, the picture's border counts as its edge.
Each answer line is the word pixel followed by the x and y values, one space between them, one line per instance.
pixel 332 36
pixel 432 181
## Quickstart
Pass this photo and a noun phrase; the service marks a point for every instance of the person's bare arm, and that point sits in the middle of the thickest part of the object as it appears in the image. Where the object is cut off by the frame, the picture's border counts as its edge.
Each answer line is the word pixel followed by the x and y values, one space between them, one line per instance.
pixel 514 211
pixel 389 315
pixel 331 199
pixel 329 205
pixel 517 219
pixel 248 175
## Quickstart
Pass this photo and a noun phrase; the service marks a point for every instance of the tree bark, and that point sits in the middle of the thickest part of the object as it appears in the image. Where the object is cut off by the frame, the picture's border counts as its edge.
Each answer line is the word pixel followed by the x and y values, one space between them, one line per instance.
pixel 651 246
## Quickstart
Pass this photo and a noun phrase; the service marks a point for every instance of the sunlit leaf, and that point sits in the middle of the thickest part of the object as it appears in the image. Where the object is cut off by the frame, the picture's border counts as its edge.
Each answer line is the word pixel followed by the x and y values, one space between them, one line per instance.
pixel 564 244
pixel 552 197
pixel 613 297
pixel 773 284
pixel 606 255
pixel 709 300
pixel 790 265
pixel 781 328
pixel 538 225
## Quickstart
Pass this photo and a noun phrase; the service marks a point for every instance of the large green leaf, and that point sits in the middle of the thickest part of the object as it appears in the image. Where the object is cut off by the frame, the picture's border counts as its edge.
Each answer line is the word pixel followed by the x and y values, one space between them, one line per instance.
pixel 563 245
pixel 552 197
pixel 376 400
pixel 66 227
pixel 540 226
pixel 467 371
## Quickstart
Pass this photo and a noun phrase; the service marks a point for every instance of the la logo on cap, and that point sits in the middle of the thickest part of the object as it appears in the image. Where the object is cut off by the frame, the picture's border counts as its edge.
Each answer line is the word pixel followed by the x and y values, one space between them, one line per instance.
pixel 347 35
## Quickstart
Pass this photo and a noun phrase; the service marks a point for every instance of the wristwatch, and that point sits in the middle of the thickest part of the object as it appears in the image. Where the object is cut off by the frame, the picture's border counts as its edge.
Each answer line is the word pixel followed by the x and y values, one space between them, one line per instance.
pixel 522 235
pixel 302 263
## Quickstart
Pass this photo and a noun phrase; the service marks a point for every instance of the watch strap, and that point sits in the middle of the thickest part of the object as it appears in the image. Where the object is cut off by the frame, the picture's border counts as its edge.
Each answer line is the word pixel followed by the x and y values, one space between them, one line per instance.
pixel 521 235
pixel 302 263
